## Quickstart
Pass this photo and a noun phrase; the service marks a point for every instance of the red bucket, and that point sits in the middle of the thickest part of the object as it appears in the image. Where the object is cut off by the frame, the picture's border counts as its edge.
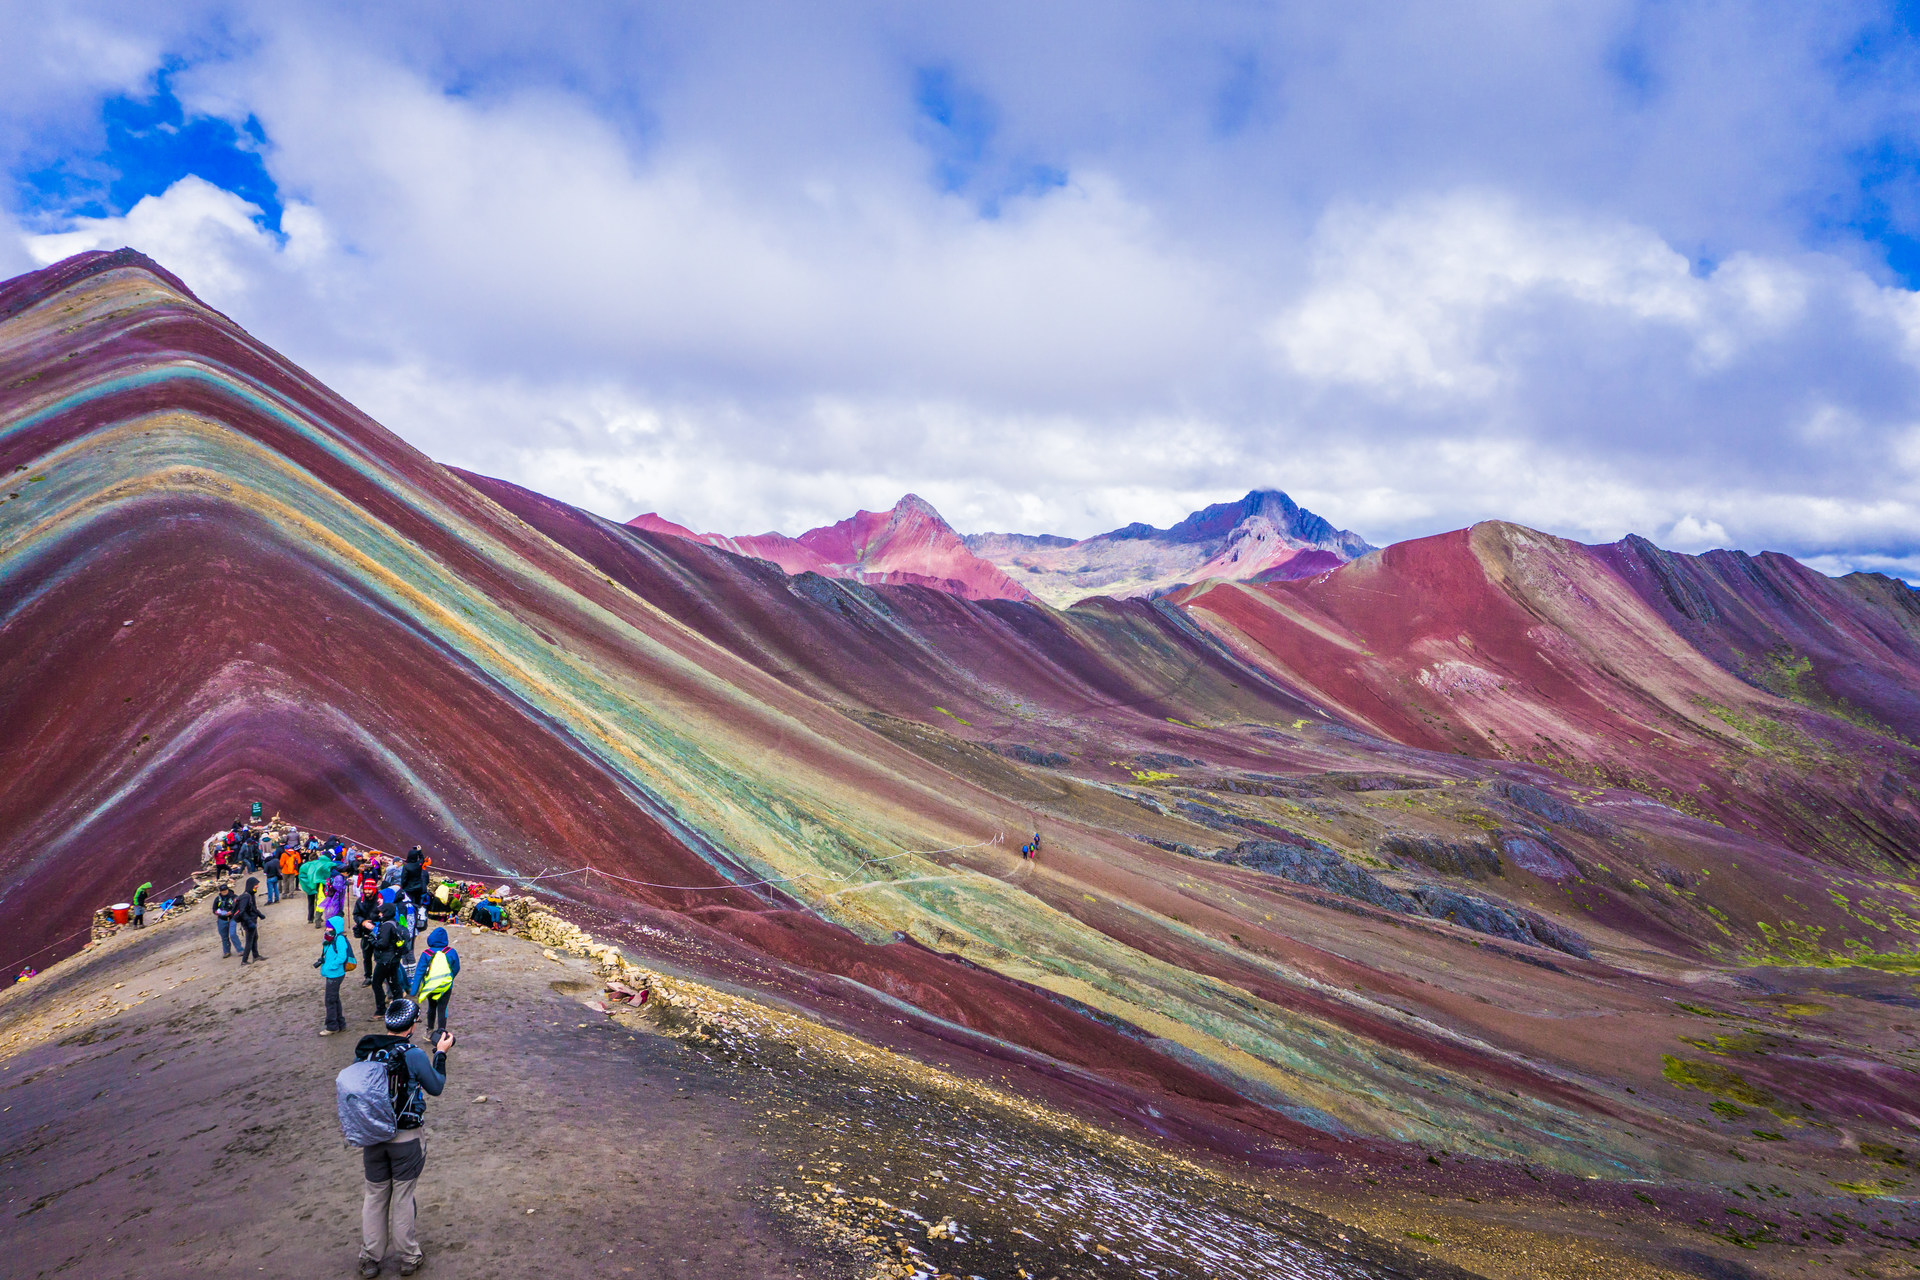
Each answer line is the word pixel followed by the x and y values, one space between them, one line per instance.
pixel 122 912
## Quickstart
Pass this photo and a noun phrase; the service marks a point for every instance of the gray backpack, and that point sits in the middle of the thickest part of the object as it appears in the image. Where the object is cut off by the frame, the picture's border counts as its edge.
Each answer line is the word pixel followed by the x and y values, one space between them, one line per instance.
pixel 366 1103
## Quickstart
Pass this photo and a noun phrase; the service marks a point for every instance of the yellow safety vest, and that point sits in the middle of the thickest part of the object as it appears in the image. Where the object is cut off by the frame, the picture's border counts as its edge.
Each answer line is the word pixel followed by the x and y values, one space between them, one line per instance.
pixel 439 976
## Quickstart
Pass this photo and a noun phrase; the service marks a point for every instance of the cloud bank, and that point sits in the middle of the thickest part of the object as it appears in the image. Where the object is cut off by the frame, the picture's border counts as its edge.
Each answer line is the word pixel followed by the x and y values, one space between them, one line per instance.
pixel 1600 268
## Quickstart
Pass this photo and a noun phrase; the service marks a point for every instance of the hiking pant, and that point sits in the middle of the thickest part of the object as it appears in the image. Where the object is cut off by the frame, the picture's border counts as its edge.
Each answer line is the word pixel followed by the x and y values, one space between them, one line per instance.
pixel 273 888
pixel 386 986
pixel 313 908
pixel 366 960
pixel 436 1012
pixel 387 1213
pixel 251 946
pixel 336 1016
pixel 286 883
pixel 226 936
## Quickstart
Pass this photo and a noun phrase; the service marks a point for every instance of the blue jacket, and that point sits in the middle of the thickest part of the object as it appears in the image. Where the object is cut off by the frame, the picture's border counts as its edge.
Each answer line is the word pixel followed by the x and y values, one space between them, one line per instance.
pixel 425 965
pixel 334 955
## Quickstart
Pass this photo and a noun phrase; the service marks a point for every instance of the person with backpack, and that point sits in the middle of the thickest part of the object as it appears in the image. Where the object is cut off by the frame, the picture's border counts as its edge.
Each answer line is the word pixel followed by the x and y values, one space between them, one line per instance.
pixel 366 918
pixel 382 1100
pixel 313 874
pixel 386 961
pixel 224 905
pixel 140 904
pixel 289 867
pixel 336 953
pixel 413 877
pixel 433 978
pixel 246 914
pixel 335 901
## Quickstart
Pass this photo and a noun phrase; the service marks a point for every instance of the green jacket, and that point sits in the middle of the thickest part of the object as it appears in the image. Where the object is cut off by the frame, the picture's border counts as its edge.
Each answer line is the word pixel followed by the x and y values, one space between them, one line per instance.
pixel 315 872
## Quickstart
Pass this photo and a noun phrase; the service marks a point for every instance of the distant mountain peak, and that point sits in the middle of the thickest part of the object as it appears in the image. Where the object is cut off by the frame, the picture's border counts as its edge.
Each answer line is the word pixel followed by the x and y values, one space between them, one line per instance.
pixel 1264 535
pixel 909 544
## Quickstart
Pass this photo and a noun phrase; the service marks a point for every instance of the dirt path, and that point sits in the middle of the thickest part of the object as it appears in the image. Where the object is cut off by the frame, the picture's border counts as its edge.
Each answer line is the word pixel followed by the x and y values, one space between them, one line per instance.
pixel 165 1112
pixel 183 1125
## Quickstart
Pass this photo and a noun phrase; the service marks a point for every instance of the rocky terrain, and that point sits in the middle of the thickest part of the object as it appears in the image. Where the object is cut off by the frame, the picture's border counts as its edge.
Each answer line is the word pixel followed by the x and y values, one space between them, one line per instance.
pixel 1498 897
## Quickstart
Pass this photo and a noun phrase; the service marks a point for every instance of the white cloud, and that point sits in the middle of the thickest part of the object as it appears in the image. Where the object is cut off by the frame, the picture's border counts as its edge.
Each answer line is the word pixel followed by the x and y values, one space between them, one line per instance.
pixel 713 265
pixel 1690 533
pixel 208 236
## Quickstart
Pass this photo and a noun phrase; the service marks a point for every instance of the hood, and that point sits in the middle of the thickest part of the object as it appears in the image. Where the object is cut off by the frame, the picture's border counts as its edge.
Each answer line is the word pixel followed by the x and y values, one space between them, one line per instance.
pixel 338 926
pixel 437 939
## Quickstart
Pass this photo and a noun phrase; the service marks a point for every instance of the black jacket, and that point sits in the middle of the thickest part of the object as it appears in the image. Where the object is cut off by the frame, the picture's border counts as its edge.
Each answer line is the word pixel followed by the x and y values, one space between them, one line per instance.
pixel 247 912
pixel 366 914
pixel 413 881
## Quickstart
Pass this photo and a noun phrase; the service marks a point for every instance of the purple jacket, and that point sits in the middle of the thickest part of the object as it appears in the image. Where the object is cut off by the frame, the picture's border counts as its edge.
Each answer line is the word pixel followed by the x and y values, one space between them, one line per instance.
pixel 336 897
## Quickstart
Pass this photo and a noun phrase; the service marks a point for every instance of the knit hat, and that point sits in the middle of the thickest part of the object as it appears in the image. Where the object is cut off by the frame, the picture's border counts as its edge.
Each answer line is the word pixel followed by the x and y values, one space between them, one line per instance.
pixel 401 1015
pixel 437 939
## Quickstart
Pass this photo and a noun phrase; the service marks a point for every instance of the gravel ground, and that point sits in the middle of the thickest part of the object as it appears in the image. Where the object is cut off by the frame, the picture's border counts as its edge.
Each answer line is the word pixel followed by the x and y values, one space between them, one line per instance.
pixel 167 1112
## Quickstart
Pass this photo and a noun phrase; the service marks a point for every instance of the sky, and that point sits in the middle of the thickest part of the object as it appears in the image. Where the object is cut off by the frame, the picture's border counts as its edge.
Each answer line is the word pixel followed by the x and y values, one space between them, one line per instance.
pixel 1599 268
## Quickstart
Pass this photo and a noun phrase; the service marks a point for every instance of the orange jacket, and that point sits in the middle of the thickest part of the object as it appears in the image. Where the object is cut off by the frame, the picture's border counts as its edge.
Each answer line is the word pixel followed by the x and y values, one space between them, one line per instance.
pixel 289 862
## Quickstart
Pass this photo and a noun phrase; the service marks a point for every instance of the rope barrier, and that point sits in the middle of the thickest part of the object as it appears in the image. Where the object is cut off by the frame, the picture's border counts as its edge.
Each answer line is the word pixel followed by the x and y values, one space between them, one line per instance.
pixel 589 869
pixel 8 968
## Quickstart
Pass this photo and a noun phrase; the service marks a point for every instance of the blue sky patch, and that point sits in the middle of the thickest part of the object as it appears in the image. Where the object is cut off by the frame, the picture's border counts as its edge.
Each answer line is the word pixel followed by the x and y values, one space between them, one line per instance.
pixel 958 126
pixel 148 144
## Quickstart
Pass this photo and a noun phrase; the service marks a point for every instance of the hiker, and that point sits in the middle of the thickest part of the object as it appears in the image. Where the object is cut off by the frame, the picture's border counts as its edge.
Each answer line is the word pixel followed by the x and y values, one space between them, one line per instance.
pixel 336 953
pixel 220 858
pixel 289 866
pixel 386 961
pixel 433 978
pixel 272 873
pixel 247 915
pixel 224 905
pixel 335 903
pixel 393 1168
pixel 313 874
pixel 366 918
pixel 140 904
pixel 413 877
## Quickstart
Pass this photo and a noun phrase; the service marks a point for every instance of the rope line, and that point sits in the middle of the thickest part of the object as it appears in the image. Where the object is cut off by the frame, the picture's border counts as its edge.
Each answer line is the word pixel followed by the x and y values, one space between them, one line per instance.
pixel 496 874
pixel 499 874
pixel 8 970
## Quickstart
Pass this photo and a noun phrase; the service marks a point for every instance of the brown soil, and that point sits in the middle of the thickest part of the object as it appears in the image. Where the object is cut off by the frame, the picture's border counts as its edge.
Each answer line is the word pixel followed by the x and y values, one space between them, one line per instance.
pixel 168 1112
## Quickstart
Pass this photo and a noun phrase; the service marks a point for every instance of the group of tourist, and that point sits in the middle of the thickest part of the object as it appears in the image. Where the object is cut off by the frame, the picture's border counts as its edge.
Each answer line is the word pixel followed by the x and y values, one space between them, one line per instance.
pixel 391 902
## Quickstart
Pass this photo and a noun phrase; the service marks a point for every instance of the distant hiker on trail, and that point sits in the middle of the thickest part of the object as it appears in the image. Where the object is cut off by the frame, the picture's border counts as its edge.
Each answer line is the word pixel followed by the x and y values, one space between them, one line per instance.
pixel 224 905
pixel 140 904
pixel 394 1166
pixel 386 961
pixel 433 978
pixel 289 867
pixel 247 915
pixel 336 953
pixel 220 854
pixel 313 874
